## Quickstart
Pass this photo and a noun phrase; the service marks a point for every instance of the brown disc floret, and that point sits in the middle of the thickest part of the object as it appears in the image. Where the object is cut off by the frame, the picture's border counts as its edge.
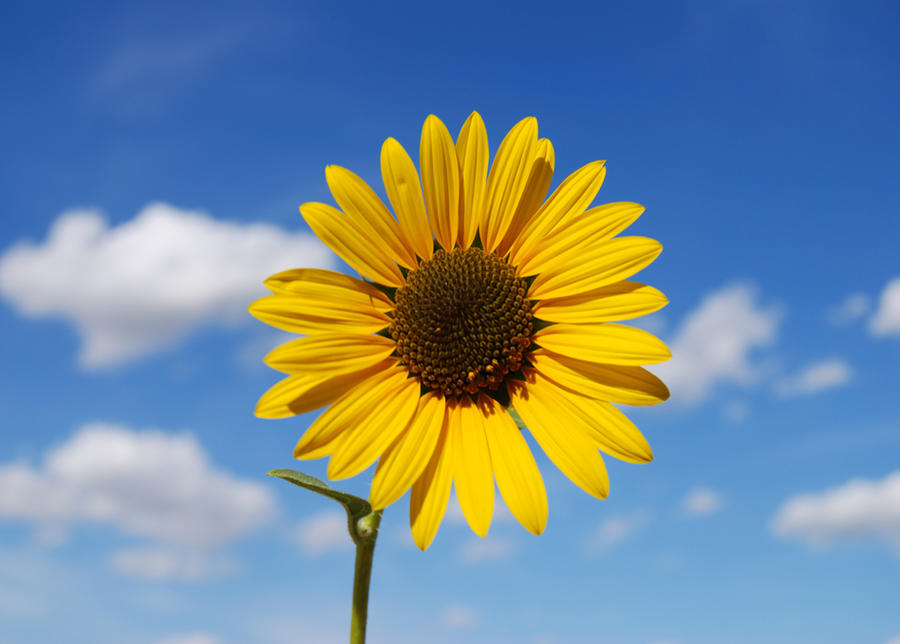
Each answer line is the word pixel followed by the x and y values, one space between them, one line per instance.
pixel 462 321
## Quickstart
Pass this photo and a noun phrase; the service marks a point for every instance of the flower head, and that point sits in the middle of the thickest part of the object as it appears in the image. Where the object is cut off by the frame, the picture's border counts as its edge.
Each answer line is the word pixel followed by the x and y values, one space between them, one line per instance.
pixel 479 296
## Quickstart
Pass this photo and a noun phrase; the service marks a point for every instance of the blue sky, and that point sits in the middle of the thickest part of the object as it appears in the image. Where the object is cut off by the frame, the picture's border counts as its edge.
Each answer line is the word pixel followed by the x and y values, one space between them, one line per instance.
pixel 153 159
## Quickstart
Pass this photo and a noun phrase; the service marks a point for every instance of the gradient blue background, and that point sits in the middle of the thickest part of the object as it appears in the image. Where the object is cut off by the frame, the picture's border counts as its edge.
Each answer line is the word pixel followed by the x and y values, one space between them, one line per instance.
pixel 763 139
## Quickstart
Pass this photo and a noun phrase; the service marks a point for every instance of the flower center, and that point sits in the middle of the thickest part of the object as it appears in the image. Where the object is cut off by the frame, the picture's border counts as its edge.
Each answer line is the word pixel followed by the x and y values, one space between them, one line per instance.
pixel 462 321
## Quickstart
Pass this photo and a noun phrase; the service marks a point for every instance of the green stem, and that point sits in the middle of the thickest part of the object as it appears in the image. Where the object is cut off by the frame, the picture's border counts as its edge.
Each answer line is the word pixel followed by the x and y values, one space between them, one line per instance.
pixel 366 531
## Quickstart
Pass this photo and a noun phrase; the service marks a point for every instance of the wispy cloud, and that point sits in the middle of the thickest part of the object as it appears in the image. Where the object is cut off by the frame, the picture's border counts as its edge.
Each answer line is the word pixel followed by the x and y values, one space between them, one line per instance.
pixel 701 502
pixel 142 286
pixel 616 529
pixel 859 510
pixel 852 308
pixel 166 59
pixel 459 616
pixel 714 343
pixel 815 378
pixel 162 563
pixel 736 411
pixel 149 72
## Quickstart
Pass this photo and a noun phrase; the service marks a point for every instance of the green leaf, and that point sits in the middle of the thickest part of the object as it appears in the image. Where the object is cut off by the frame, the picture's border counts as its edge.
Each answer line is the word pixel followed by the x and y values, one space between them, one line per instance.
pixel 356 507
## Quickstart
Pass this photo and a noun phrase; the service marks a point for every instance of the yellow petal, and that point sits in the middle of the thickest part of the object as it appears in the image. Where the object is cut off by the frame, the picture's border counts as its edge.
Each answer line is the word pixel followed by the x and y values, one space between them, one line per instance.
pixel 605 425
pixel 315 283
pixel 569 200
pixel 601 264
pixel 369 215
pixel 472 476
pixel 548 415
pixel 302 393
pixel 534 195
pixel 405 460
pixel 619 301
pixel 330 353
pixel 336 232
pixel 507 180
pixel 431 492
pixel 606 342
pixel 361 445
pixel 472 152
pixel 516 472
pixel 301 315
pixel 614 433
pixel 401 182
pixel 567 243
pixel 348 411
pixel 615 383
pixel 440 179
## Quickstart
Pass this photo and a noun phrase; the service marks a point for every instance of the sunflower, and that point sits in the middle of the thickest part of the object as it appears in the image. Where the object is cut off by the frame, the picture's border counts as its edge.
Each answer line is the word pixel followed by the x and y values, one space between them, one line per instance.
pixel 483 305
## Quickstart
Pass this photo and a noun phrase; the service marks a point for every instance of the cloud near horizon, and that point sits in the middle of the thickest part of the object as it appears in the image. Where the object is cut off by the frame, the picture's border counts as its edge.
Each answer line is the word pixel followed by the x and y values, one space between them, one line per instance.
pixel 858 510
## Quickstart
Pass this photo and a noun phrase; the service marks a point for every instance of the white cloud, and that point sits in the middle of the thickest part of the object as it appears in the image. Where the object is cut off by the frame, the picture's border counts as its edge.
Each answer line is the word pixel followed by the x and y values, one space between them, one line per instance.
pixel 479 549
pixel 714 343
pixel 702 501
pixel 146 483
pixel 144 285
pixel 852 308
pixel 459 616
pixel 814 378
pixel 190 638
pixel 162 563
pixel 859 510
pixel 324 532
pixel 614 530
pixel 886 320
pixel 893 640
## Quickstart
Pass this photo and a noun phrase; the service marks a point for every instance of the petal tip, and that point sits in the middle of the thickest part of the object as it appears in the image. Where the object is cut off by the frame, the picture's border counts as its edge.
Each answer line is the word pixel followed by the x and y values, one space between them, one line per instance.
pixel 262 413
pixel 422 538
pixel 480 531
pixel 537 530
pixel 432 121
pixel 664 395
